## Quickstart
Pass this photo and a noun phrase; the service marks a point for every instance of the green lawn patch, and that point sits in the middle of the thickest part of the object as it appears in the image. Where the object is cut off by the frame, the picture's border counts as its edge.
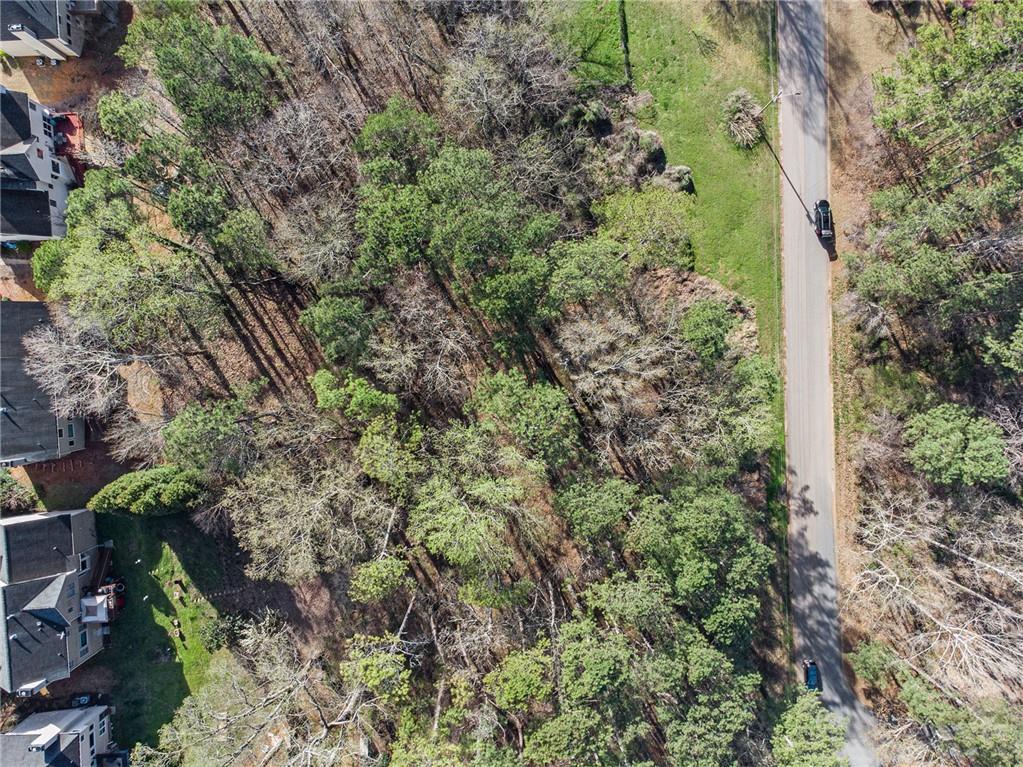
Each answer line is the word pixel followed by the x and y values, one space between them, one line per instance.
pixel 591 30
pixel 690 56
pixel 152 682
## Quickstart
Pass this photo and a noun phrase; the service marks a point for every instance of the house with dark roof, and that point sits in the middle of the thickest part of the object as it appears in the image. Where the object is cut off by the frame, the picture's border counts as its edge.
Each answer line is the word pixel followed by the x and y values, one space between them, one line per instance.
pixel 70 737
pixel 34 178
pixel 51 29
pixel 29 430
pixel 52 607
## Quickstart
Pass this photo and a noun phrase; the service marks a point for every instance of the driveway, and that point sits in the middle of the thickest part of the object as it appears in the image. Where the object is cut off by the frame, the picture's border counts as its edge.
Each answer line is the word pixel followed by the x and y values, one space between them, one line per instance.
pixel 809 418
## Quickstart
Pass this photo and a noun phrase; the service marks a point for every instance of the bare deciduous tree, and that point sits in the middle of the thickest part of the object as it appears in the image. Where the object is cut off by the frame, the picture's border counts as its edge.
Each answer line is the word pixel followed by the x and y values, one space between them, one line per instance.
pixel 302 147
pixel 135 439
pixel 79 369
pixel 1011 420
pixel 506 77
pixel 316 240
pixel 651 395
pixel 426 348
pixel 299 520
pixel 267 705
pixel 946 574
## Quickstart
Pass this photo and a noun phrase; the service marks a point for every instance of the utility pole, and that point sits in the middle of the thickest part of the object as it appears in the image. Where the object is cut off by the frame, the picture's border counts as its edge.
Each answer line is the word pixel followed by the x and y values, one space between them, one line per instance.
pixel 774 98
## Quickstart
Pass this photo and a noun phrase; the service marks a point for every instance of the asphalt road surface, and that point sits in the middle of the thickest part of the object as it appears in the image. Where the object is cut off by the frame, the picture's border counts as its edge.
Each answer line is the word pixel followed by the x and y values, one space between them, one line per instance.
pixel 809 419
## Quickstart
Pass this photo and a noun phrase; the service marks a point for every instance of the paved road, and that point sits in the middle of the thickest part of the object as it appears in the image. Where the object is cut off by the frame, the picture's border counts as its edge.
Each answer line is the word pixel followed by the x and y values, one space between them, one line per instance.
pixel 808 408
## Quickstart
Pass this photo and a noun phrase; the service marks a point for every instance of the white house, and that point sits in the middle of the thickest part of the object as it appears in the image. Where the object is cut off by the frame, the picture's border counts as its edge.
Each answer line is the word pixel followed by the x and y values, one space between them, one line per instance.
pixel 52 29
pixel 70 737
pixel 34 180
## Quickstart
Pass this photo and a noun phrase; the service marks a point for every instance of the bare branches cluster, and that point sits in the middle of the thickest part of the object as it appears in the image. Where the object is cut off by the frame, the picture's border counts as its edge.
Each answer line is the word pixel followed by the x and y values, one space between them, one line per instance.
pixel 265 700
pixel 297 520
pixel 655 402
pixel 302 147
pixel 80 370
pixel 315 239
pixel 945 573
pixel 425 349
pixel 504 78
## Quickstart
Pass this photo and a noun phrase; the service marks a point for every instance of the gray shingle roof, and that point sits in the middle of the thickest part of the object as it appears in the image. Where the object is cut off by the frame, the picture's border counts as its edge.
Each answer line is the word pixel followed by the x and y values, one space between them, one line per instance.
pixel 25 212
pixel 33 648
pixel 40 16
pixel 28 430
pixel 39 562
pixel 15 123
pixel 35 548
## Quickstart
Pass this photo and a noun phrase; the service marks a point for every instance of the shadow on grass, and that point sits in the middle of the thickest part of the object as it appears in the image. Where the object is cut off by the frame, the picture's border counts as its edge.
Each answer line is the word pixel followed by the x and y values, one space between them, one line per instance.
pixel 155 653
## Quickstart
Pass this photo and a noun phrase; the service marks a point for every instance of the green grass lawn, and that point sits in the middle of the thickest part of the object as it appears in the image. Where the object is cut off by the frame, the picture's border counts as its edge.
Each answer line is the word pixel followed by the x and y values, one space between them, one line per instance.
pixel 689 75
pixel 151 683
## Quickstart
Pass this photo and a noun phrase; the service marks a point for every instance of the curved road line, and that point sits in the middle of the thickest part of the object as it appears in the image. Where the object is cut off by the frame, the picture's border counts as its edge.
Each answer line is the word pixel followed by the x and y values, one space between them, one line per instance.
pixel 809 418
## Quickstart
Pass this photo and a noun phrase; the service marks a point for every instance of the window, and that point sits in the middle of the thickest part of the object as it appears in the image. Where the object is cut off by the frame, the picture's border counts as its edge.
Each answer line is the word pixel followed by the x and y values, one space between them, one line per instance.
pixel 39 153
pixel 92 739
pixel 71 589
pixel 103 726
pixel 70 430
pixel 55 167
pixel 60 433
pixel 70 443
pixel 53 203
pixel 32 106
pixel 83 561
pixel 83 643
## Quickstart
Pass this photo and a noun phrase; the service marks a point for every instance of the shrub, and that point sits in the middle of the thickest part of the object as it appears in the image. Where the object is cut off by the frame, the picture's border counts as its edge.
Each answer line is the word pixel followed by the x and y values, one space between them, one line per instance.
pixel 341 326
pixel 522 678
pixel 222 631
pixel 151 492
pixel 586 269
pixel 594 508
pixel 950 445
pixel 14 497
pixel 377 579
pixel 357 397
pixel 743 118
pixel 653 225
pixel 538 415
pixel 705 328
pixel 48 263
pixel 808 735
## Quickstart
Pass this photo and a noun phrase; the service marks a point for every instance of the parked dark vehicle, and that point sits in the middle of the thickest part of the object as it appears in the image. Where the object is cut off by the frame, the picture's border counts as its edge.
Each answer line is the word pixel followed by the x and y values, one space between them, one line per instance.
pixel 812 676
pixel 822 220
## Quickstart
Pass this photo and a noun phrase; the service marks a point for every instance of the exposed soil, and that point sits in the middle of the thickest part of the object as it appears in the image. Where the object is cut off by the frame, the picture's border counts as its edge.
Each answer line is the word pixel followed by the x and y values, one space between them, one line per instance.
pixel 16 278
pixel 68 483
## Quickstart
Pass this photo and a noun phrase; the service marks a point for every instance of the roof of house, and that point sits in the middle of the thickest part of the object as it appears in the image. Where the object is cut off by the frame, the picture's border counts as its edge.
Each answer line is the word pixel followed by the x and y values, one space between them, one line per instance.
pixel 63 751
pixel 15 122
pixel 54 732
pixel 35 546
pixel 40 16
pixel 16 168
pixel 25 212
pixel 35 645
pixel 26 424
pixel 38 563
